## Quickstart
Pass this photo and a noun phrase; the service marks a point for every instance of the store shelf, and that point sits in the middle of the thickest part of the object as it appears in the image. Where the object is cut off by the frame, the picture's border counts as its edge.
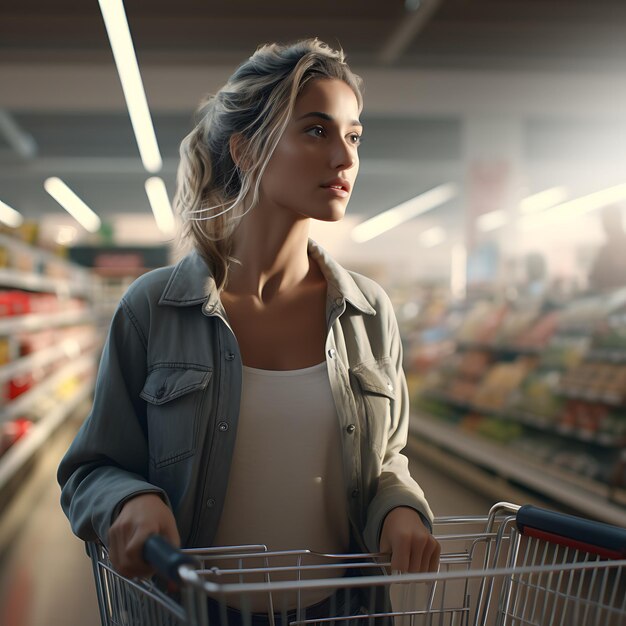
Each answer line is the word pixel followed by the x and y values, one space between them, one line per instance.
pixel 606 355
pixel 63 374
pixel 35 282
pixel 580 494
pixel 25 401
pixel 501 349
pixel 40 321
pixel 40 254
pixel 534 421
pixel 19 453
pixel 612 399
pixel 70 347
pixel 542 423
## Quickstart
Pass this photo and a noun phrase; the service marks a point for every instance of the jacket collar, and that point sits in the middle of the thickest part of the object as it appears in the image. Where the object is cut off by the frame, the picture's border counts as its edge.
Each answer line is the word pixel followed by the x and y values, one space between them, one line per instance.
pixel 192 282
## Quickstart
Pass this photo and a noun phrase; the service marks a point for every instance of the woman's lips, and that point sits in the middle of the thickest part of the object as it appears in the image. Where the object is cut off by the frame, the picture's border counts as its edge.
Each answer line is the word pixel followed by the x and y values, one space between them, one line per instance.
pixel 339 192
pixel 338 187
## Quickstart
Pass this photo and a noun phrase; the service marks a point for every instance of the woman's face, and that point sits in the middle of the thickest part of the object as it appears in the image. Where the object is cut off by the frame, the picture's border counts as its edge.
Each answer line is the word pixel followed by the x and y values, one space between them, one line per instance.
pixel 315 164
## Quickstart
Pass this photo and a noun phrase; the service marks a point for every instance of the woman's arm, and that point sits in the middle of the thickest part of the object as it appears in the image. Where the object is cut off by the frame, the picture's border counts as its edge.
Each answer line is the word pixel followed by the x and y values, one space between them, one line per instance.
pixel 107 463
pixel 399 518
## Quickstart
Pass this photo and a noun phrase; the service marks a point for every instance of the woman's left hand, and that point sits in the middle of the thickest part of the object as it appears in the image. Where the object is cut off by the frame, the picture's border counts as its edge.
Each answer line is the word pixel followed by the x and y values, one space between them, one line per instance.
pixel 412 546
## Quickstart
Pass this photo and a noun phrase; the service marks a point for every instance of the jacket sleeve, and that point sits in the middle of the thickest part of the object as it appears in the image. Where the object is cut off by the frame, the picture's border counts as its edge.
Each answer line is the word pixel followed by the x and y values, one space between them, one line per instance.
pixel 396 487
pixel 107 463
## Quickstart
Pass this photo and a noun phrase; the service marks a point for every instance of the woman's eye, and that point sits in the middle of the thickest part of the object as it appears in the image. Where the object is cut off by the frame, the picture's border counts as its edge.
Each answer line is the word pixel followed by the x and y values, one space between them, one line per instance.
pixel 355 138
pixel 316 131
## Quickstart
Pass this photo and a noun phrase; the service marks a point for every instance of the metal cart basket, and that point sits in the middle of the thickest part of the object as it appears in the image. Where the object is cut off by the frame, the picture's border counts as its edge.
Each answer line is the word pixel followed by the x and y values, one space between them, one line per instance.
pixel 517 566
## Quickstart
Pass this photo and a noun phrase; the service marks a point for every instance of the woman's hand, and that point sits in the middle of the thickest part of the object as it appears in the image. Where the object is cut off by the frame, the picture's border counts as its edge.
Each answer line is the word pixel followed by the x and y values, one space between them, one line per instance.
pixel 412 547
pixel 140 517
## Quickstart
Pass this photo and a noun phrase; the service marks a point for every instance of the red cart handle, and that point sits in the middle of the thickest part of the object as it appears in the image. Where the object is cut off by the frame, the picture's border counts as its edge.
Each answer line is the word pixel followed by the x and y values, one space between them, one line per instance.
pixel 598 538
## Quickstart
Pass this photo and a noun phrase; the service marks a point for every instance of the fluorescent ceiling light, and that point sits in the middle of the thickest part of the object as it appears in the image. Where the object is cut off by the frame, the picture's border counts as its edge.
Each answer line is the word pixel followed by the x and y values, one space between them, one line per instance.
pixel 491 221
pixel 10 216
pixel 403 212
pixel 72 204
pixel 543 200
pixel 160 203
pixel 432 237
pixel 574 208
pixel 128 70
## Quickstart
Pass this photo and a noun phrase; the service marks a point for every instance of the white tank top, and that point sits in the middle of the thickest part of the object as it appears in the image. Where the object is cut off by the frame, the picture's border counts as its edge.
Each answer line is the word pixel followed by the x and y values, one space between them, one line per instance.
pixel 286 488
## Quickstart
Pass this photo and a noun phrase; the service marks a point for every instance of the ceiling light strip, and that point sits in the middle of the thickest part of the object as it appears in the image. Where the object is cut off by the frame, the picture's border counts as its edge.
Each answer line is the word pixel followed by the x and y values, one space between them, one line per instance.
pixel 72 204
pixel 491 221
pixel 574 208
pixel 433 237
pixel 10 216
pixel 160 203
pixel 544 199
pixel 128 70
pixel 403 212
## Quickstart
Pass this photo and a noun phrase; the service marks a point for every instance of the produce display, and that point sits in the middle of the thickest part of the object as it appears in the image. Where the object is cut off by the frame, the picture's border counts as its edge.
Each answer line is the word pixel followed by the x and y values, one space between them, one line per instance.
pixel 550 383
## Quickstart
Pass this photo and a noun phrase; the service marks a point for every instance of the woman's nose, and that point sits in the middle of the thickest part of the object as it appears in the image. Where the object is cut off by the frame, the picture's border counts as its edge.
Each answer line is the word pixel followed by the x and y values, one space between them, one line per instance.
pixel 344 156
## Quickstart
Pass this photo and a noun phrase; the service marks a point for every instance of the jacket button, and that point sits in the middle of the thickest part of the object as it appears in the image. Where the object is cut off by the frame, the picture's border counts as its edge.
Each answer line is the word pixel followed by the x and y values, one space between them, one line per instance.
pixel 351 428
pixel 210 502
pixel 355 493
pixel 230 356
pixel 223 426
pixel 332 353
pixel 160 393
pixel 338 301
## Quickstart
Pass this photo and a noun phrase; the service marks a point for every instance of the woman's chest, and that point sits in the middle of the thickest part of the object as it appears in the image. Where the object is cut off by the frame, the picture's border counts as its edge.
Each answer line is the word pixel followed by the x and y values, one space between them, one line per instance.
pixel 284 336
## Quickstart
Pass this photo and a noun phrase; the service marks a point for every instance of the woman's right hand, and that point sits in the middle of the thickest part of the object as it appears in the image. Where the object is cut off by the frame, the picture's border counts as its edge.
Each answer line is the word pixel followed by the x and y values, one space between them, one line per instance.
pixel 143 515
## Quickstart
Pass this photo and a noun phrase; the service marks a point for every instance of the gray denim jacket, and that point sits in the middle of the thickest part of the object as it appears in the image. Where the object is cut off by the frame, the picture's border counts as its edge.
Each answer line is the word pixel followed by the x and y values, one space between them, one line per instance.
pixel 166 403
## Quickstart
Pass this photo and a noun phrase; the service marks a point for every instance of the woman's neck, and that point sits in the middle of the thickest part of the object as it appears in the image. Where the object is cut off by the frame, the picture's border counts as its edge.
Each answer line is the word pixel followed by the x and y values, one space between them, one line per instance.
pixel 274 259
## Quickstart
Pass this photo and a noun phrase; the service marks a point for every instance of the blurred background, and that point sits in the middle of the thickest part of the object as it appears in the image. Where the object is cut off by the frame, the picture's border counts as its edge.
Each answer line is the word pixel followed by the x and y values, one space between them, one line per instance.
pixel 494 133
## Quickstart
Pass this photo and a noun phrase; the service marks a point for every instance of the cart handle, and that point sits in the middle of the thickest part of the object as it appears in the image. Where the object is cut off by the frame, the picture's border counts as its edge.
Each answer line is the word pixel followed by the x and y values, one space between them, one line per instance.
pixel 165 558
pixel 598 538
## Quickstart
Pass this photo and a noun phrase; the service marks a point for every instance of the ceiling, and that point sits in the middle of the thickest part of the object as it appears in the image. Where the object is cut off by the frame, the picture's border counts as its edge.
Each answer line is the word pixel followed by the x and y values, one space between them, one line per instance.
pixel 548 64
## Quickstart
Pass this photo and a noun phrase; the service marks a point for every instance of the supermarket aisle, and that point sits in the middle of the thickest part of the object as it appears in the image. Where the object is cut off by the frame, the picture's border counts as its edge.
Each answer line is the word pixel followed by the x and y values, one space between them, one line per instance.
pixel 46 579
pixel 45 575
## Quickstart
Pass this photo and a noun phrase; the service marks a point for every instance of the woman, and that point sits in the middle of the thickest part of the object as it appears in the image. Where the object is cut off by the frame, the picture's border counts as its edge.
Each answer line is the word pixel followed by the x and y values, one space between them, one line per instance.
pixel 257 379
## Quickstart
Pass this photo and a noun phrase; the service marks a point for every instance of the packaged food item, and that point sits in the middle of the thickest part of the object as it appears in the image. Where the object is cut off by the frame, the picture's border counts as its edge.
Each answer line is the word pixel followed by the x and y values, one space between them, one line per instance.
pixel 499 383
pixel 538 399
pixel 540 332
pixel 5 350
pixel 513 326
pixel 28 232
pixel 20 384
pixel 14 303
pixel 474 363
pixel 12 431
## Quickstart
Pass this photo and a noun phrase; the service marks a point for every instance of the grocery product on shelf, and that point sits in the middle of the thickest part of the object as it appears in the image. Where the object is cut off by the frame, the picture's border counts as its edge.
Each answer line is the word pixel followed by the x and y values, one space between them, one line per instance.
pixel 549 382
pixel 12 431
pixel 49 343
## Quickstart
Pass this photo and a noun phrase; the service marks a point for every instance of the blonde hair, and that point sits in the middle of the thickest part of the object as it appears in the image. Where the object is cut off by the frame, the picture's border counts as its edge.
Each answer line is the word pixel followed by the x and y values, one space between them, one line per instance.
pixel 254 105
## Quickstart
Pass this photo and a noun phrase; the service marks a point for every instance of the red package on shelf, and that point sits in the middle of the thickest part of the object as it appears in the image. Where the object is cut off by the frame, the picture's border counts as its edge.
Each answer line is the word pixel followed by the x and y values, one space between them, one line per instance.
pixel 19 385
pixel 13 431
pixel 14 303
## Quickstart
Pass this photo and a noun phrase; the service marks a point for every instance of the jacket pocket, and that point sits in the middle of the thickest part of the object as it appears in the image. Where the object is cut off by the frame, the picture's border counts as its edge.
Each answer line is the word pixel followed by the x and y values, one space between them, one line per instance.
pixel 375 386
pixel 173 394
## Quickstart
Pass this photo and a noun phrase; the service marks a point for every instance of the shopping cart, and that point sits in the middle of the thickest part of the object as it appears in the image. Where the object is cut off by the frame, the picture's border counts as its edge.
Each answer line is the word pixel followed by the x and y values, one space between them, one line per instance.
pixel 517 566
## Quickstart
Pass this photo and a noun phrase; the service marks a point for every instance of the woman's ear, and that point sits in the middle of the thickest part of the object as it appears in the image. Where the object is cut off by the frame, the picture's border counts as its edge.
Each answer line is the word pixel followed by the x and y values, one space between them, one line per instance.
pixel 237 145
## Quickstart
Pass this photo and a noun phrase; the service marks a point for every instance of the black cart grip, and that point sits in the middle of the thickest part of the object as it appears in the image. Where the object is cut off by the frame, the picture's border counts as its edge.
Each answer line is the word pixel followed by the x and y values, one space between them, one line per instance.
pixel 165 558
pixel 598 538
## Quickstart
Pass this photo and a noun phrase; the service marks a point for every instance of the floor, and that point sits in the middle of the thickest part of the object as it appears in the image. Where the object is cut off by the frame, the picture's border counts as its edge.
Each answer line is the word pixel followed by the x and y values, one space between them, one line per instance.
pixel 45 575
